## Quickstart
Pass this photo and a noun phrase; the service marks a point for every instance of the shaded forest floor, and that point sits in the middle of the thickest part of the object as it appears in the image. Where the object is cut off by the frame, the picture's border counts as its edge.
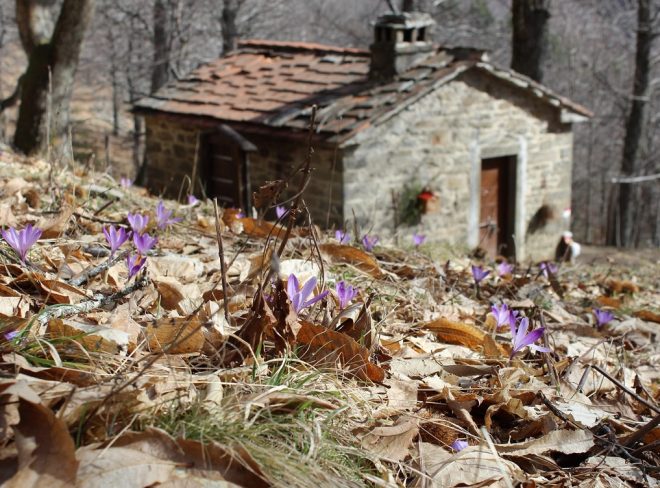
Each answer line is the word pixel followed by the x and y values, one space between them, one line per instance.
pixel 169 377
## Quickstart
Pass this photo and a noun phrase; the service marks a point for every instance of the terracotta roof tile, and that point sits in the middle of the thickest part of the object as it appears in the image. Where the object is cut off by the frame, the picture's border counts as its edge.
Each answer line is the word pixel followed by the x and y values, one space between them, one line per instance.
pixel 275 83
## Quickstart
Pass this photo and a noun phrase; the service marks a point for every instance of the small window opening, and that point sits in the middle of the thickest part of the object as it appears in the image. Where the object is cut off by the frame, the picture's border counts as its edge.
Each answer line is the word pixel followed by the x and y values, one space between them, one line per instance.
pixel 408 35
pixel 421 34
pixel 388 34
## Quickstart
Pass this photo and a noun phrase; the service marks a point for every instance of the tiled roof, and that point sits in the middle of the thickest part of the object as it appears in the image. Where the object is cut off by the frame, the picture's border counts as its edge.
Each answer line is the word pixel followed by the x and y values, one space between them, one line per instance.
pixel 276 83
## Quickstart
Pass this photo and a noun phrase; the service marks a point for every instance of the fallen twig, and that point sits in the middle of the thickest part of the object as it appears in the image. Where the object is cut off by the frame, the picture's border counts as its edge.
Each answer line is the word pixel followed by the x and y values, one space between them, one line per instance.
pixel 90 273
pixel 59 311
pixel 625 388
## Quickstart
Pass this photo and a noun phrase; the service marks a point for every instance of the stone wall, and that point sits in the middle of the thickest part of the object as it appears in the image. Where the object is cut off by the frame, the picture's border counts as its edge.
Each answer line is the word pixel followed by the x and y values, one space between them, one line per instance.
pixel 171 146
pixel 277 158
pixel 439 142
pixel 170 152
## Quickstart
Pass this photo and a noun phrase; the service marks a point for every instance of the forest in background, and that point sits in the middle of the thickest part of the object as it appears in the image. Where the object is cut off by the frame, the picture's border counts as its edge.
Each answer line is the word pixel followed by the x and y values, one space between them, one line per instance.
pixel 131 48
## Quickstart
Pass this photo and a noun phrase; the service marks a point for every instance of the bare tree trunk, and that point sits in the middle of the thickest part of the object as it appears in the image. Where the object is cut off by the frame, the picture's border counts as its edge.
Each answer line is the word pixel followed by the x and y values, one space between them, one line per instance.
pixel 160 72
pixel 407 5
pixel 52 64
pixel 630 162
pixel 230 10
pixel 530 29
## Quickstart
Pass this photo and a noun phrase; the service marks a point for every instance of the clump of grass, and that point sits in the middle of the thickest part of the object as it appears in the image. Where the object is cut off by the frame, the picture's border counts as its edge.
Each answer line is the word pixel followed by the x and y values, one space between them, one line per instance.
pixel 293 447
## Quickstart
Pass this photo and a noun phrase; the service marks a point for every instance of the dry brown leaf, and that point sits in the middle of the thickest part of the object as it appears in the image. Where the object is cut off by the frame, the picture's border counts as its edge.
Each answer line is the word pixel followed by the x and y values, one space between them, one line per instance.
pixel 605 301
pixel 170 290
pixel 621 286
pixel 472 465
pixel 56 226
pixel 462 334
pixel 60 292
pixel 648 315
pixel 401 394
pixel 564 441
pixel 327 347
pixel 179 335
pixel 46 451
pixel 338 253
pixel 392 443
pixel 93 337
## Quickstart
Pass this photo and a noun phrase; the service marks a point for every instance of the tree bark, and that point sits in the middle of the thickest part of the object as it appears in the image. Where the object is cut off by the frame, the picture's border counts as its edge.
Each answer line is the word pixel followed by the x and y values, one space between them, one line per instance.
pixel 630 162
pixel 407 5
pixel 49 77
pixel 228 25
pixel 530 29
pixel 160 72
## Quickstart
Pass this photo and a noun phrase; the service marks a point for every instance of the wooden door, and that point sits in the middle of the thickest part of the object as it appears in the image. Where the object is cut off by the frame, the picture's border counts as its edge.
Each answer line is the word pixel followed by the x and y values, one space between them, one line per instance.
pixel 226 173
pixel 497 203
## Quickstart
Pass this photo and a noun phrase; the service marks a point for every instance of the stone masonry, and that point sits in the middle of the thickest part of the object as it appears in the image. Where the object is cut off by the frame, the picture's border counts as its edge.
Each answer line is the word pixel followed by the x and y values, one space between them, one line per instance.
pixel 439 142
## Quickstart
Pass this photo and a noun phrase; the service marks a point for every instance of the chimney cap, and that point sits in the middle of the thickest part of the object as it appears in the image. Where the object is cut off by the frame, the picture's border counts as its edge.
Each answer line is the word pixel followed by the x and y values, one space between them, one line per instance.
pixel 405 20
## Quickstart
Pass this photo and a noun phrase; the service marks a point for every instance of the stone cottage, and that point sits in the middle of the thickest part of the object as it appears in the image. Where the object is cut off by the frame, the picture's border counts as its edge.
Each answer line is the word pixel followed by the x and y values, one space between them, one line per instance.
pixel 407 134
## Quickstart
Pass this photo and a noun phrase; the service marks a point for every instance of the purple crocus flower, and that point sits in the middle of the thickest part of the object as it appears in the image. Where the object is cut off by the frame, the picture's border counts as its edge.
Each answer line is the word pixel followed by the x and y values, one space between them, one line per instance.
pixel 280 211
pixel 11 335
pixel 418 239
pixel 504 268
pixel 548 268
pixel 459 445
pixel 345 292
pixel 603 317
pixel 342 237
pixel 134 263
pixel 520 338
pixel 369 242
pixel 115 237
pixel 503 315
pixel 164 217
pixel 138 222
pixel 478 273
pixel 192 200
pixel 298 297
pixel 21 241
pixel 143 243
pixel 126 182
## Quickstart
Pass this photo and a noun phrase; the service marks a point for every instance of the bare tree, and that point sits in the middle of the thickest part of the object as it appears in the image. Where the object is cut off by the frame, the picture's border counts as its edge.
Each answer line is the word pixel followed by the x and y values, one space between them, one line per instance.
pixel 634 128
pixel 162 35
pixel 47 83
pixel 530 31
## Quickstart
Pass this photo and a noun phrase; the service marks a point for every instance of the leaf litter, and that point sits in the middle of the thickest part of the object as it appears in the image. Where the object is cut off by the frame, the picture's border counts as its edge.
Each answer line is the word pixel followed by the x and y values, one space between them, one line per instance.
pixel 306 358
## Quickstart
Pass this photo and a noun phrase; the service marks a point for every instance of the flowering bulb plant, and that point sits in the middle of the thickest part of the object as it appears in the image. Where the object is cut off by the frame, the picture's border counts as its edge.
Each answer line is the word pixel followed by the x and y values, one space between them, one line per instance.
pixel 503 315
pixel 346 293
pixel 459 445
pixel 134 263
pixel 138 222
pixel 369 242
pixel 21 241
pixel 164 217
pixel 548 268
pixel 504 269
pixel 299 296
pixel 603 317
pixel 144 243
pixel 478 273
pixel 115 237
pixel 418 239
pixel 520 338
pixel 342 237
pixel 280 211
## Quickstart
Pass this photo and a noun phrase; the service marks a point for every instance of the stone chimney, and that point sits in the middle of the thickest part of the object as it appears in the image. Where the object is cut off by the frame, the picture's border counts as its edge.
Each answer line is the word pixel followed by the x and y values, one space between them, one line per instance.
pixel 400 40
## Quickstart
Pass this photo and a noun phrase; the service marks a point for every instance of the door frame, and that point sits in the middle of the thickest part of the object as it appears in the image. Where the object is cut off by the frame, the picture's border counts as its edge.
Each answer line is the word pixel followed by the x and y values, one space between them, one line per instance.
pixel 244 148
pixel 506 202
pixel 513 146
